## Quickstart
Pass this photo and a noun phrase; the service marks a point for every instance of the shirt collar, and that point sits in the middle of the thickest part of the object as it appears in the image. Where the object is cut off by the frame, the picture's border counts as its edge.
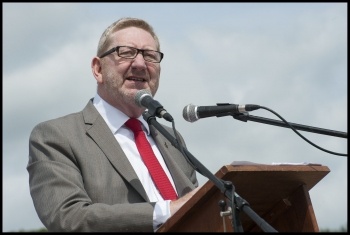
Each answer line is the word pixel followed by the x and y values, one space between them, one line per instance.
pixel 114 118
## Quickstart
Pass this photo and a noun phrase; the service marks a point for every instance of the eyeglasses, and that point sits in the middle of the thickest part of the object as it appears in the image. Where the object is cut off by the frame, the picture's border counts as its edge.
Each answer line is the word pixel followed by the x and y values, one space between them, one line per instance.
pixel 131 52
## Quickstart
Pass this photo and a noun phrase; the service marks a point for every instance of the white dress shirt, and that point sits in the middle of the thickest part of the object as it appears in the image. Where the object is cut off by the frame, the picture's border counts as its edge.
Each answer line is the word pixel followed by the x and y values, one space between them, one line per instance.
pixel 115 120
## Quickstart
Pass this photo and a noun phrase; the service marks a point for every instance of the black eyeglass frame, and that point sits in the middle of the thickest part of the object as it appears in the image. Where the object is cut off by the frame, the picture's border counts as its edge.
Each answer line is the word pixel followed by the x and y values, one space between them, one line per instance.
pixel 116 49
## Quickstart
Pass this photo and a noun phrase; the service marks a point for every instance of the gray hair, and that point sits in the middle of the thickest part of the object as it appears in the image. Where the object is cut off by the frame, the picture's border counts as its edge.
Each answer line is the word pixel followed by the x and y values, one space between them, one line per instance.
pixel 123 23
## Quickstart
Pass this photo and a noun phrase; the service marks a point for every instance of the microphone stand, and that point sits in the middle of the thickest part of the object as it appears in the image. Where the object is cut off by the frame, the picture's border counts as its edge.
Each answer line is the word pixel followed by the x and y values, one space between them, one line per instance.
pixel 241 204
pixel 244 117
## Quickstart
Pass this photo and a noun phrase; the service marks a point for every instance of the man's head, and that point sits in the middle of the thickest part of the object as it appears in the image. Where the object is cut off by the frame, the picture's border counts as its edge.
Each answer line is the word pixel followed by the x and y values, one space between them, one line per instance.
pixel 128 60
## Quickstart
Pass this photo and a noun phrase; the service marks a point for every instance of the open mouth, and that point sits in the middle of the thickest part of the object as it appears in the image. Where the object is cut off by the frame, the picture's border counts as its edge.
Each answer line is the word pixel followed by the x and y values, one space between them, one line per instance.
pixel 136 79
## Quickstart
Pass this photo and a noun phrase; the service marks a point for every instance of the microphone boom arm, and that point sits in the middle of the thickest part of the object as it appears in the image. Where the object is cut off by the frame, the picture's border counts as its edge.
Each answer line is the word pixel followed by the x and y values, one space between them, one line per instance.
pixel 244 117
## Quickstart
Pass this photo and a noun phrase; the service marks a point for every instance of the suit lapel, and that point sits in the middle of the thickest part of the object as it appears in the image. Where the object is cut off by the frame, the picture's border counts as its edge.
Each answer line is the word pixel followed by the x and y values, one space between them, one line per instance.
pixel 182 182
pixel 98 130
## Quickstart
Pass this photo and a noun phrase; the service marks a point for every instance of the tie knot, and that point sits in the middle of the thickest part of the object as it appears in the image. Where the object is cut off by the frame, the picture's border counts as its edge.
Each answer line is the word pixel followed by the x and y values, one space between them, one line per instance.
pixel 133 124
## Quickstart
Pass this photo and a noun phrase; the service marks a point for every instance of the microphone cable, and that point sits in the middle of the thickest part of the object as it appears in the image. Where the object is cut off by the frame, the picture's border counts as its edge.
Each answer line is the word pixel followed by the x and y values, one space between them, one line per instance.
pixel 181 148
pixel 316 146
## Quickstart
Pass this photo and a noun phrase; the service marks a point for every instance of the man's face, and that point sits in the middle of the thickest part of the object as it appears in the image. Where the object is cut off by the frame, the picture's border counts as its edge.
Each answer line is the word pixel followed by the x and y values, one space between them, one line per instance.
pixel 122 78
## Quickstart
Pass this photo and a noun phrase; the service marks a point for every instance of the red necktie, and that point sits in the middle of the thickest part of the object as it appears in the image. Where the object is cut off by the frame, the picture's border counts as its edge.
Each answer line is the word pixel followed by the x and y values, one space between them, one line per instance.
pixel 156 171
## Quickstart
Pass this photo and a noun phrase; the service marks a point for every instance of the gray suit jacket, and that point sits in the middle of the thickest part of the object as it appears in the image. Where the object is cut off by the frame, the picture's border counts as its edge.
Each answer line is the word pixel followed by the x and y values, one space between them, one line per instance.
pixel 81 180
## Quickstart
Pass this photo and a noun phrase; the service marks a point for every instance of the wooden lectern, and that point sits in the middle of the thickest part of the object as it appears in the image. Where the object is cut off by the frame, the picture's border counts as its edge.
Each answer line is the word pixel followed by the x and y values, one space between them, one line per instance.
pixel 279 194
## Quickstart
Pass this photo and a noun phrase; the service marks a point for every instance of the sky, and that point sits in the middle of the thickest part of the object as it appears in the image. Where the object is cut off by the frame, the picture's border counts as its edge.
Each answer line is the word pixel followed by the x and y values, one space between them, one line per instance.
pixel 288 57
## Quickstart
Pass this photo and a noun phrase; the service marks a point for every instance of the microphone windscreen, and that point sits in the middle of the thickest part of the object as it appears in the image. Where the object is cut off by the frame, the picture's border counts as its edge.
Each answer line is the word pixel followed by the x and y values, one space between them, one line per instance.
pixel 140 95
pixel 189 113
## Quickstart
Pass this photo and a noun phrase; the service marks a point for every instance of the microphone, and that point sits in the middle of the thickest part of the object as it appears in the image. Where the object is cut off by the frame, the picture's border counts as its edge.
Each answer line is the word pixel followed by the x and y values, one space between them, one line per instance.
pixel 192 113
pixel 143 98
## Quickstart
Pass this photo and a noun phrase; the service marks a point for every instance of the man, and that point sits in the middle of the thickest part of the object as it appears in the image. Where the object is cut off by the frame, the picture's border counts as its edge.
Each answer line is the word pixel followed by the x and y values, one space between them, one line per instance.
pixel 85 172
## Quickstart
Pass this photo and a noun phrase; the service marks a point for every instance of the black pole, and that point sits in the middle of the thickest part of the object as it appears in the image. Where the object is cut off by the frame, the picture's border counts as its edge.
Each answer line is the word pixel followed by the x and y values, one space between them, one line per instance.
pixel 246 117
pixel 240 202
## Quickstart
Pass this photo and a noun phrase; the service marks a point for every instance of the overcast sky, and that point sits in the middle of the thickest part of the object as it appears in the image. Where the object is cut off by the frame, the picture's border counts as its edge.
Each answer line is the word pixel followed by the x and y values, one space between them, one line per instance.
pixel 288 57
